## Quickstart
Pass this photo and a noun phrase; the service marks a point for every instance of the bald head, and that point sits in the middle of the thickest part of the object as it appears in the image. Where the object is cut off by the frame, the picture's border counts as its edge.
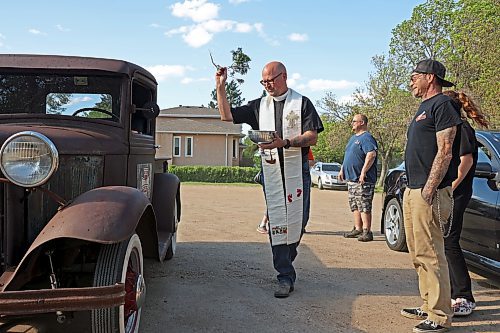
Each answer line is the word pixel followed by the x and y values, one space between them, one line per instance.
pixel 274 67
pixel 274 78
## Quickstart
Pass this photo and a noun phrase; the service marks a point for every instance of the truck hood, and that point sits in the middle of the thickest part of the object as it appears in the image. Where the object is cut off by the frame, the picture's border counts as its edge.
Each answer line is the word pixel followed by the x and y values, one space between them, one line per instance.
pixel 74 140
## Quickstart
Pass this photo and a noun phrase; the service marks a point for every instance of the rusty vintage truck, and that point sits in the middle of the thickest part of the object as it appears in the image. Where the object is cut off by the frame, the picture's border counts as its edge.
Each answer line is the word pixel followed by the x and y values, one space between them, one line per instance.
pixel 81 203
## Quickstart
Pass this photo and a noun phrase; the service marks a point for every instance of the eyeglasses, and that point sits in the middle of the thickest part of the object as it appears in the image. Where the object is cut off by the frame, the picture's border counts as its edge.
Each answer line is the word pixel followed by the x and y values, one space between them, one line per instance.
pixel 271 81
pixel 415 77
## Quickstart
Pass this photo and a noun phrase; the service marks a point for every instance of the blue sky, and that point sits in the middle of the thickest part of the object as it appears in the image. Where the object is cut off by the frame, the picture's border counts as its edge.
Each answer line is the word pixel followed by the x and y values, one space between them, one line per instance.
pixel 326 45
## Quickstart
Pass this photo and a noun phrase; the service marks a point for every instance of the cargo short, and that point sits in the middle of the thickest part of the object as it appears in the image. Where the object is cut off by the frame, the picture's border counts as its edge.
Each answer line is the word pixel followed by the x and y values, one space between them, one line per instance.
pixel 361 196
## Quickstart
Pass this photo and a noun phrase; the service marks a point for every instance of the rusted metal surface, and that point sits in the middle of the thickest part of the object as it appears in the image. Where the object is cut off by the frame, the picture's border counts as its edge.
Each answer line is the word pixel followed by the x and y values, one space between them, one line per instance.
pixel 45 62
pixel 64 299
pixel 95 140
pixel 104 215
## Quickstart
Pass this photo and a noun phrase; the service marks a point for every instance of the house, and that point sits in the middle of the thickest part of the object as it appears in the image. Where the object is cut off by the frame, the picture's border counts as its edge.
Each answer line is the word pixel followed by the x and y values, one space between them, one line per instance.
pixel 193 135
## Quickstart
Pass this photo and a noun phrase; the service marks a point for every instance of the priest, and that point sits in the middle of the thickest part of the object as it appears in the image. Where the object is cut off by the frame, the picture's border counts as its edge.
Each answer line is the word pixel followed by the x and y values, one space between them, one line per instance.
pixel 287 181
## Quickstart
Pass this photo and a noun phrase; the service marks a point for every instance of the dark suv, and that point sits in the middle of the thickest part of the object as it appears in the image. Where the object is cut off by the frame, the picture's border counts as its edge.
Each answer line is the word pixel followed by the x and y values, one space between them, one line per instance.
pixel 80 201
pixel 480 238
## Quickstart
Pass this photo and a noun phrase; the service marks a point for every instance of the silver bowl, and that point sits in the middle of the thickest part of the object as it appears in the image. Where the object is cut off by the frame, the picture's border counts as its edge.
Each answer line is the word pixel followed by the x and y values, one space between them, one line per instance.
pixel 261 136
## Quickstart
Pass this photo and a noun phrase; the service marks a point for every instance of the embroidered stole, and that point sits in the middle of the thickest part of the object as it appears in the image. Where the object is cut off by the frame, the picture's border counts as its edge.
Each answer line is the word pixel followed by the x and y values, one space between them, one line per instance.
pixel 284 203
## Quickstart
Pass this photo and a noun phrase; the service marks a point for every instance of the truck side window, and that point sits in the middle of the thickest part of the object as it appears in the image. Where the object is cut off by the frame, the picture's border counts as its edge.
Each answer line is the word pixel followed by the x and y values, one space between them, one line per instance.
pixel 141 96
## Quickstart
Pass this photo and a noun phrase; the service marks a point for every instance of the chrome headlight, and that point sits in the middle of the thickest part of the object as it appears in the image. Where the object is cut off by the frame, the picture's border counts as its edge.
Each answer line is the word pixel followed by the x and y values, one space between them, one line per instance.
pixel 28 159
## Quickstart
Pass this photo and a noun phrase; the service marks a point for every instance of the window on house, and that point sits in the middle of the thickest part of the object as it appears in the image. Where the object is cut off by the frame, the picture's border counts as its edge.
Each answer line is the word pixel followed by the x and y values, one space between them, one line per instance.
pixel 177 146
pixel 235 145
pixel 189 147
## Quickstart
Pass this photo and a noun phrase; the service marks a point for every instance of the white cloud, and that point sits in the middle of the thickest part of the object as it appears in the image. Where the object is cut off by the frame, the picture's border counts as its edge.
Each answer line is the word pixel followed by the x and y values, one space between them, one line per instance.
pixel 217 25
pixel 205 26
pixel 237 2
pixel 243 27
pixel 259 27
pixel 36 32
pixel 188 80
pixel 292 79
pixel 296 37
pixel 155 25
pixel 321 84
pixel 202 33
pixel 198 37
pixel 196 10
pixel 164 72
pixel 61 28
pixel 77 100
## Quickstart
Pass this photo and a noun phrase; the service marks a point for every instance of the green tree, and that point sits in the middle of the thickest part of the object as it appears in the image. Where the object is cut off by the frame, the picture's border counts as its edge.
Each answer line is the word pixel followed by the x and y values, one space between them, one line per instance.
pixel 105 104
pixel 240 65
pixel 389 107
pixel 464 35
pixel 331 142
pixel 56 102
pixel 474 62
pixel 425 35
pixel 233 94
pixel 249 153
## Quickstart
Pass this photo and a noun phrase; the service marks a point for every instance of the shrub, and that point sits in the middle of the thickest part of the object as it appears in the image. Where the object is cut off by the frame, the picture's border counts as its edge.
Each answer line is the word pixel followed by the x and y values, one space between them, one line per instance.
pixel 214 174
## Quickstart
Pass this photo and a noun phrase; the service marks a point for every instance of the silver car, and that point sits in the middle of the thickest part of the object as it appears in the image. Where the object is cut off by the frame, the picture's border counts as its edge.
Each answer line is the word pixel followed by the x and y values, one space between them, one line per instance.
pixel 325 175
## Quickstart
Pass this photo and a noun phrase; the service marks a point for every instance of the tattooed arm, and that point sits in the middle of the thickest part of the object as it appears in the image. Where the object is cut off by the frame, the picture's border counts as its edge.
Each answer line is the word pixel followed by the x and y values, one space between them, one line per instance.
pixel 441 162
pixel 308 138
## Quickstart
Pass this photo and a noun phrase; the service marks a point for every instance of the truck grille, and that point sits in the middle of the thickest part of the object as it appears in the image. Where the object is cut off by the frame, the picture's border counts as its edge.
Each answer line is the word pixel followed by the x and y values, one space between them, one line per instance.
pixel 75 175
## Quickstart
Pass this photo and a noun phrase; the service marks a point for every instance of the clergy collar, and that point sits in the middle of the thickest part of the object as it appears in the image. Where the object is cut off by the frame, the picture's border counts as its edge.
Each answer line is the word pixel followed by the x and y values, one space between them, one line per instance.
pixel 282 97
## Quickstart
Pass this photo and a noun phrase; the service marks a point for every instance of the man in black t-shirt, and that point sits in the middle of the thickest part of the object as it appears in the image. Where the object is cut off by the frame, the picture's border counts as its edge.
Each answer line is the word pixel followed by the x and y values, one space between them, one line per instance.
pixel 287 183
pixel 431 161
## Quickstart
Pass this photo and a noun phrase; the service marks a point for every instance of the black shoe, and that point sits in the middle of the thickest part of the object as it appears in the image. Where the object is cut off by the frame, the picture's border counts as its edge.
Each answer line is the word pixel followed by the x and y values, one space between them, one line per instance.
pixel 366 236
pixel 354 233
pixel 414 313
pixel 283 291
pixel 429 326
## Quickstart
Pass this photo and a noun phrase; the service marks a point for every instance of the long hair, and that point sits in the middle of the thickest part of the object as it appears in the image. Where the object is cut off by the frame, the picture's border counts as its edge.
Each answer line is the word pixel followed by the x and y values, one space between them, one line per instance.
pixel 470 108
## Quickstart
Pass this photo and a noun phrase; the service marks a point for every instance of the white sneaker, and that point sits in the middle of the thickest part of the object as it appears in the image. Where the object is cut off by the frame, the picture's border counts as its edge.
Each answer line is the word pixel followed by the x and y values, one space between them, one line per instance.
pixel 462 307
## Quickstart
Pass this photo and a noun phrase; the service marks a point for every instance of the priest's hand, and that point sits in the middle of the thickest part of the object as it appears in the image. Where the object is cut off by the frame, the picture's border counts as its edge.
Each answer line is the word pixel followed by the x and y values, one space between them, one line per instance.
pixel 276 143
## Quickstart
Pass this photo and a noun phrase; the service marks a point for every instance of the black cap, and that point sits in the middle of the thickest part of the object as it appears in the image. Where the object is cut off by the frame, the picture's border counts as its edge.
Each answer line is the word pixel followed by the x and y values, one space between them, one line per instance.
pixel 429 66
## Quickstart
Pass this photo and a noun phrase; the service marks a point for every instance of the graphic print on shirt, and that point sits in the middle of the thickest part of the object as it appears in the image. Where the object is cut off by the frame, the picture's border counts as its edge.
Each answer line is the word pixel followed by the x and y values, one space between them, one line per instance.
pixel 421 116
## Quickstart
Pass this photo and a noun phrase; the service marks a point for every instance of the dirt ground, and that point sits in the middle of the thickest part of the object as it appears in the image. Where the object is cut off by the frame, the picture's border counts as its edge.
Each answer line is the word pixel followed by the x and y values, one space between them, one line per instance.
pixel 222 279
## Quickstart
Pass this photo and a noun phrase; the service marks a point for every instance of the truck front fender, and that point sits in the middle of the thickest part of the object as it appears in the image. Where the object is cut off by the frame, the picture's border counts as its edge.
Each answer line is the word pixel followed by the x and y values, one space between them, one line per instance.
pixel 103 215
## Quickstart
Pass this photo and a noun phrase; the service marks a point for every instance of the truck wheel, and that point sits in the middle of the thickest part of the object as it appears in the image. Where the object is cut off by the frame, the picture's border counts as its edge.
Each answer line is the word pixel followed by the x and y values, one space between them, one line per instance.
pixel 173 244
pixel 120 262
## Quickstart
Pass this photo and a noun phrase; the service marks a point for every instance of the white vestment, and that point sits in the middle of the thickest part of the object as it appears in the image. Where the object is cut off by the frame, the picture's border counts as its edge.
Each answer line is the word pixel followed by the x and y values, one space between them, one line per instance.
pixel 284 203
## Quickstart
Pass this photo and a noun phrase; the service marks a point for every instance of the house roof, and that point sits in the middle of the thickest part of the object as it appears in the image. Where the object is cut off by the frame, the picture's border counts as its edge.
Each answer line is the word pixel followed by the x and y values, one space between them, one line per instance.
pixel 190 111
pixel 187 119
pixel 184 125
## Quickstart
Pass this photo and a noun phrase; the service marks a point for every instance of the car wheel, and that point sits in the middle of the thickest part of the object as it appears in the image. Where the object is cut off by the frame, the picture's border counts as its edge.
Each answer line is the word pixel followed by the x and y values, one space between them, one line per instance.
pixel 320 184
pixel 394 230
pixel 121 263
pixel 173 243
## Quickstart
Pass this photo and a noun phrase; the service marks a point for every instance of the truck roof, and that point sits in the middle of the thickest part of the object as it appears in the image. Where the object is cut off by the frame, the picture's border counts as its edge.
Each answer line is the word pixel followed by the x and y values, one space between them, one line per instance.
pixel 60 62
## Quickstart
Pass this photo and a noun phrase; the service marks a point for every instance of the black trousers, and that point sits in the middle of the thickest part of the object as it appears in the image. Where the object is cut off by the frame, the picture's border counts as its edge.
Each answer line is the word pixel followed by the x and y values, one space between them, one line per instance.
pixel 459 274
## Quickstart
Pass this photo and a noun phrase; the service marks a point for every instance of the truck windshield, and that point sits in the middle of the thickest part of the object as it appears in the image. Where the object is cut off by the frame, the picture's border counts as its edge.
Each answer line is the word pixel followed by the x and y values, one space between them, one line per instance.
pixel 74 96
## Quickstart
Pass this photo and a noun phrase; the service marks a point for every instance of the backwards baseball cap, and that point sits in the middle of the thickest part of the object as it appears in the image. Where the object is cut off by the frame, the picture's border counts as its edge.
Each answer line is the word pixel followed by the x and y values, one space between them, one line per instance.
pixel 429 66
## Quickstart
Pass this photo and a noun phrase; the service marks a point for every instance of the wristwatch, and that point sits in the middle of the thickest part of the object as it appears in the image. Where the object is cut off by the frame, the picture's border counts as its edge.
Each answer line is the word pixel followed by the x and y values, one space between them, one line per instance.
pixel 287 144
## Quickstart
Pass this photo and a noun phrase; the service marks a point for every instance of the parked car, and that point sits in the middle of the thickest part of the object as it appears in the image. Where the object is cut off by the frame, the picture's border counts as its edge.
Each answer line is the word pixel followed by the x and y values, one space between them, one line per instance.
pixel 480 238
pixel 80 202
pixel 325 175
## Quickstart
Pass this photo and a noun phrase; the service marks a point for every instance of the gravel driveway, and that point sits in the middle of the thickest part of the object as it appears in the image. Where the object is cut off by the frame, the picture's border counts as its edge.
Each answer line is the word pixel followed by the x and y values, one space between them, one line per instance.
pixel 222 279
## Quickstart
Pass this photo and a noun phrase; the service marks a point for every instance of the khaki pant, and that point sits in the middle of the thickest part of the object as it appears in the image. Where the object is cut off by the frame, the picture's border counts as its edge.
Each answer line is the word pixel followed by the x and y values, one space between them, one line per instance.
pixel 426 247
